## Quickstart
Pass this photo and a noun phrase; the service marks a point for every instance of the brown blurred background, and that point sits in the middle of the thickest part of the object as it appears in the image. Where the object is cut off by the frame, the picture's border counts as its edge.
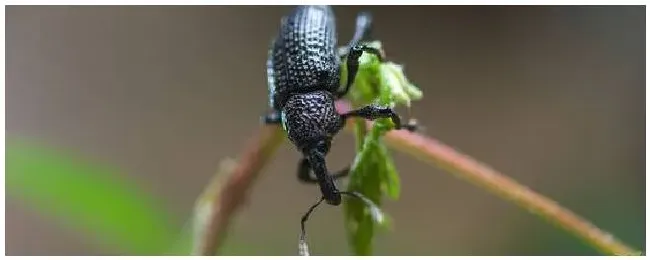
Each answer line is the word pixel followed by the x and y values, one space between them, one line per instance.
pixel 551 96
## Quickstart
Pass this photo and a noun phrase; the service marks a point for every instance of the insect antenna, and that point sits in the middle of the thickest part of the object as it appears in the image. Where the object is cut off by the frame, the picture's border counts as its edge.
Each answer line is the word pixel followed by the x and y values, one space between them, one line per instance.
pixel 303 249
pixel 375 213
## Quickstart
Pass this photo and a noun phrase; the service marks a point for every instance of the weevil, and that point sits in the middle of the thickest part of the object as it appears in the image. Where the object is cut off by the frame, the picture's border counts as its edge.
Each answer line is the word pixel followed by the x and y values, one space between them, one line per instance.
pixel 304 80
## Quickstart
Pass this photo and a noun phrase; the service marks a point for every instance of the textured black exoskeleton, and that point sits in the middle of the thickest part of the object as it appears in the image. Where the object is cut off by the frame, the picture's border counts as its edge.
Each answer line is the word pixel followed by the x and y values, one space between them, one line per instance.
pixel 303 70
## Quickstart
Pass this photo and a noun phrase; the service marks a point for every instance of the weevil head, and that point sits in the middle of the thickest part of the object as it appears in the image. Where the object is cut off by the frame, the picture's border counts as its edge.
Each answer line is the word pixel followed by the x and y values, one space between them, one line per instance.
pixel 311 121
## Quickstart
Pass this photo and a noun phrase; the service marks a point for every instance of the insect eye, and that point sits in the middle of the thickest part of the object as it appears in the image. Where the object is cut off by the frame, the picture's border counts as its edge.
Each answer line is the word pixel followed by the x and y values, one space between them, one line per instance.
pixel 323 146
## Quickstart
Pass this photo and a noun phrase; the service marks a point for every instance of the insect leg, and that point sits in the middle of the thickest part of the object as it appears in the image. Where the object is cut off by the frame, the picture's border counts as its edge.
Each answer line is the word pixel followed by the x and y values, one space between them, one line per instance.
pixel 342 173
pixel 304 170
pixel 362 32
pixel 273 117
pixel 352 64
pixel 373 112
pixel 305 217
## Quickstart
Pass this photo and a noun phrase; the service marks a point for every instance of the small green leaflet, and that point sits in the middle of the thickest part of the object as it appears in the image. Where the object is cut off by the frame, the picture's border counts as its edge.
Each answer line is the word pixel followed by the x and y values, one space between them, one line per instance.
pixel 373 173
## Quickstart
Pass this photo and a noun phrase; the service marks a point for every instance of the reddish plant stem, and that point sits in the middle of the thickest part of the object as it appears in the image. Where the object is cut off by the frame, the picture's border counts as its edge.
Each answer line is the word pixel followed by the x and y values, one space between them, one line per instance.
pixel 440 155
pixel 447 158
pixel 232 193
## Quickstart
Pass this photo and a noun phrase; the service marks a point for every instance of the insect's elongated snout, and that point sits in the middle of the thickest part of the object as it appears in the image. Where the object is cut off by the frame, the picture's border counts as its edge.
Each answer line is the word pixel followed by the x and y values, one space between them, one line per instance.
pixel 333 198
pixel 325 180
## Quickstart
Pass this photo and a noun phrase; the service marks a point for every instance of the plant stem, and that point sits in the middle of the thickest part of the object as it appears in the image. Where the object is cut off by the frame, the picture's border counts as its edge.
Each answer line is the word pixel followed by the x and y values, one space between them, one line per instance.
pixel 224 196
pixel 440 155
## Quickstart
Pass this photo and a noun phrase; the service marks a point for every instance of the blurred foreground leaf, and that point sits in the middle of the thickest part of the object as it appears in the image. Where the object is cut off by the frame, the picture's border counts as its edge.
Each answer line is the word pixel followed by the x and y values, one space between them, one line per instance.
pixel 89 197
pixel 373 173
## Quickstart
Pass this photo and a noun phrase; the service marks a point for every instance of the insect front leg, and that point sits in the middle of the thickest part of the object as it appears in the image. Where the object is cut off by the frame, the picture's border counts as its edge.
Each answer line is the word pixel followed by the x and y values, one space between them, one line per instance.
pixel 373 112
pixel 304 170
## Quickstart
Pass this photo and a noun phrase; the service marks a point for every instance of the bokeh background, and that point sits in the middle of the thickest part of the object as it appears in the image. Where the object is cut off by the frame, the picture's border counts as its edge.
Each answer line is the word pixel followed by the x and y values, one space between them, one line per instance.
pixel 551 96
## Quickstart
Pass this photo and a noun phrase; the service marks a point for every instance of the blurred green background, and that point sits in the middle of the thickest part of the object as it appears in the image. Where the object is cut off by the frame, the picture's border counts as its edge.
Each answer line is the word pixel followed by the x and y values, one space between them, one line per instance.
pixel 118 116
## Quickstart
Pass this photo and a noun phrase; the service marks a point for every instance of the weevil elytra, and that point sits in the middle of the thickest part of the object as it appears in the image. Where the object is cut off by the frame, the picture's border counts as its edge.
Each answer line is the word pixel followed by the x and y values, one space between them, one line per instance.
pixel 304 80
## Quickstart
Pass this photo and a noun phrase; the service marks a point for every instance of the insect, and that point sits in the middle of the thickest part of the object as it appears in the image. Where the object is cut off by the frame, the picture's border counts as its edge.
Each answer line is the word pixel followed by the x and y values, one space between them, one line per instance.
pixel 304 80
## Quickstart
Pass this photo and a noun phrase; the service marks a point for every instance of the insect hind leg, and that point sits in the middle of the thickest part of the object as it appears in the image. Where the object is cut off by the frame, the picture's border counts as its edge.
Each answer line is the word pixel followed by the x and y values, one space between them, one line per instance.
pixel 362 32
pixel 352 64
pixel 353 51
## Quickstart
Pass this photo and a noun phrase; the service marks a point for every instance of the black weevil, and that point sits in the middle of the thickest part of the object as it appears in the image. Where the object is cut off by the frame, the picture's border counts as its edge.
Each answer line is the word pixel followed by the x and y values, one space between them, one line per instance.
pixel 303 73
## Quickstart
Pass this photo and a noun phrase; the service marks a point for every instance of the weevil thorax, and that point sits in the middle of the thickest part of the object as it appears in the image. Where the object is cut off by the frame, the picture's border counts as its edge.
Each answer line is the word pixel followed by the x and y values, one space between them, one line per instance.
pixel 311 121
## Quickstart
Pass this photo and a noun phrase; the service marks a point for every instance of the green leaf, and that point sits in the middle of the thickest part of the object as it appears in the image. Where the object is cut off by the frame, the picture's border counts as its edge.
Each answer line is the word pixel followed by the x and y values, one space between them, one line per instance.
pixel 369 174
pixel 88 197
pixel 391 184
pixel 380 82
pixel 373 172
